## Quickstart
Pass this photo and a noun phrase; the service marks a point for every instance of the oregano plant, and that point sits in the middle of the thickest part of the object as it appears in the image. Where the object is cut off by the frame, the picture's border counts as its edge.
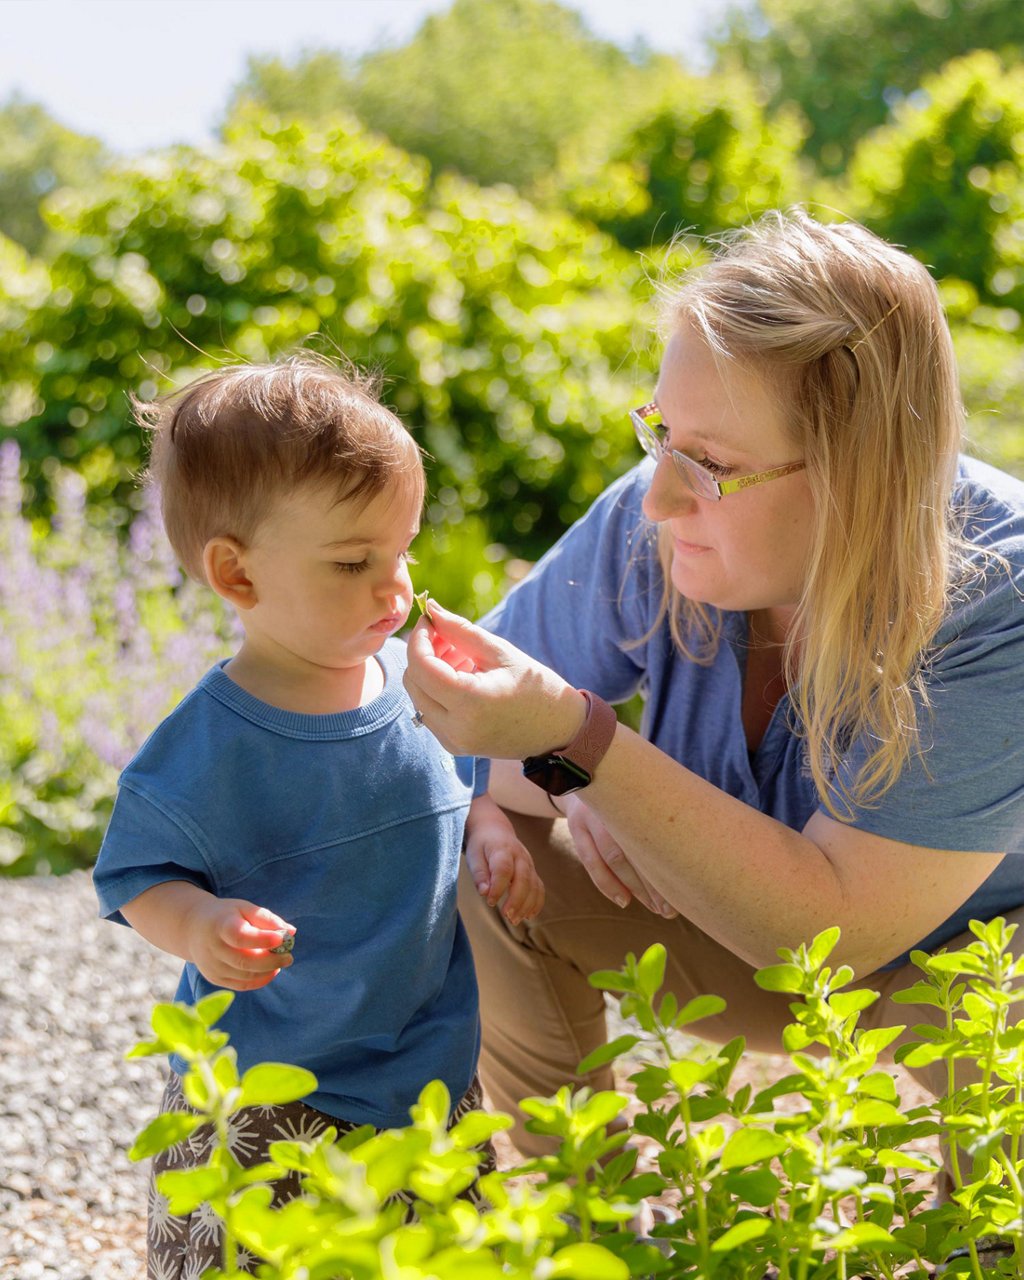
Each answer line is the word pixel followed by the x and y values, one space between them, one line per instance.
pixel 837 1182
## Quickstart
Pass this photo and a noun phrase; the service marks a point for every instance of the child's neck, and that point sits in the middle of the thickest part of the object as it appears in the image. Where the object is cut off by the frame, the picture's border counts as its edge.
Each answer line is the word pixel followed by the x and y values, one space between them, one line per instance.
pixel 307 690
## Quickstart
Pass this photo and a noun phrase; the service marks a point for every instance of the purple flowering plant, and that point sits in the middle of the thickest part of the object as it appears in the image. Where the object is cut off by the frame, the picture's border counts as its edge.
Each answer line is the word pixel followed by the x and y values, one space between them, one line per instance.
pixel 100 635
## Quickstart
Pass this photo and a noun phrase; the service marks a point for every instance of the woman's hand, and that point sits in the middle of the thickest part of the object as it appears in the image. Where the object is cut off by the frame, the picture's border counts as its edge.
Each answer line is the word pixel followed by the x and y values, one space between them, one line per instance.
pixel 481 696
pixel 606 863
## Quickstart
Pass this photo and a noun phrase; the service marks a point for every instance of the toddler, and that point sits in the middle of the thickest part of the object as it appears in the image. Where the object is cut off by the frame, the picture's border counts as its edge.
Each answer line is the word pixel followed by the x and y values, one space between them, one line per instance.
pixel 291 797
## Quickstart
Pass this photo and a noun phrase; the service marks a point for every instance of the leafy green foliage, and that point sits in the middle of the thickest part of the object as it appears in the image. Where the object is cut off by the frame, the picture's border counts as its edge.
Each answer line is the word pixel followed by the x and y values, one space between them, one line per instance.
pixel 513 335
pixel 946 178
pixel 24 287
pixel 37 155
pixel 487 88
pixel 318 83
pixel 503 330
pixel 830 1185
pixel 99 637
pixel 845 64
pixel 701 156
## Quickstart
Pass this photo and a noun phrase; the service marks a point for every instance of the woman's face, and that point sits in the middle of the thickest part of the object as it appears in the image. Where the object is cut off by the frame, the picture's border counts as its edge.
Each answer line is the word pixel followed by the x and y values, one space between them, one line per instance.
pixel 748 551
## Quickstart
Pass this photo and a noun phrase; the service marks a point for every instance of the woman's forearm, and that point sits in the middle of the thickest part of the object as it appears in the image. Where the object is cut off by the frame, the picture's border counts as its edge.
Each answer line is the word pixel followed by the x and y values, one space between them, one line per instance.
pixel 745 879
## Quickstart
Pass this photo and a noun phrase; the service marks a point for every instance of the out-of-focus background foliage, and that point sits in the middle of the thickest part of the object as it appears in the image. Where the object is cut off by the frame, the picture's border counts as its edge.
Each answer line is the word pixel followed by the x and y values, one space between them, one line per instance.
pixel 478 213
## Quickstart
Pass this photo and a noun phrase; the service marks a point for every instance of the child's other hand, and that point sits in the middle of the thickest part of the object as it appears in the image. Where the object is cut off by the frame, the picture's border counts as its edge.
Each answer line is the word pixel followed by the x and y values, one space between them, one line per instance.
pixel 501 867
pixel 230 941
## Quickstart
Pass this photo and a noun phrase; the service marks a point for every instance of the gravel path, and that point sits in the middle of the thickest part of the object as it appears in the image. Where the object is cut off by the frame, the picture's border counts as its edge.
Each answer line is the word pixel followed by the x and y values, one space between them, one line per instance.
pixel 75 995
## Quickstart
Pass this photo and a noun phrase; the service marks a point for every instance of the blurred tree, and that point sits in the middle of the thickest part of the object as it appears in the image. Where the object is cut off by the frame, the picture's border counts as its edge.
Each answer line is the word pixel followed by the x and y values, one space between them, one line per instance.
pixel 37 154
pixel 990 356
pixel 507 334
pixel 318 83
pixel 848 62
pixel 489 88
pixel 946 178
pixel 698 157
pixel 24 288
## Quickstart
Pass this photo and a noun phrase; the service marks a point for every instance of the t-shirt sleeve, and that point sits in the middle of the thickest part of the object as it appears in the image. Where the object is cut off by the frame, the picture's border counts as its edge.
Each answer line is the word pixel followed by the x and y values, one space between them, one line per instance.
pixel 586 606
pixel 965 789
pixel 145 845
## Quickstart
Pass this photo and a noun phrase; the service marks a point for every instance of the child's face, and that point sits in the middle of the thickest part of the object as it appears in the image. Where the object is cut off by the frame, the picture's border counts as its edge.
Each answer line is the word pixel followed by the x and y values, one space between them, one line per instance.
pixel 331 579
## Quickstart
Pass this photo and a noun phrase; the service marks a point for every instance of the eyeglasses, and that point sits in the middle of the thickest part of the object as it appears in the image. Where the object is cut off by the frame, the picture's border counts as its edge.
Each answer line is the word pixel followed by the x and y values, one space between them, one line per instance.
pixel 653 436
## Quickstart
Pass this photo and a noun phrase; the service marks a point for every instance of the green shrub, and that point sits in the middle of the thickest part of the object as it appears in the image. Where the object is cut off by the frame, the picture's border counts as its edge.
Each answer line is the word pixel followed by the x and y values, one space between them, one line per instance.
pixel 835 1183
pixel 506 333
pixel 946 177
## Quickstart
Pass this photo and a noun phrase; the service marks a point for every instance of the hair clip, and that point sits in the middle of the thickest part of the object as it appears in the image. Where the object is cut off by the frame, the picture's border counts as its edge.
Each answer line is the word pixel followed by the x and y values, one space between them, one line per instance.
pixel 852 346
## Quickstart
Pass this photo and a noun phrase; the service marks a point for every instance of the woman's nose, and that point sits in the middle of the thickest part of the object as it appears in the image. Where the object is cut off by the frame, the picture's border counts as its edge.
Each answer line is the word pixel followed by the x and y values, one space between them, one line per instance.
pixel 668 494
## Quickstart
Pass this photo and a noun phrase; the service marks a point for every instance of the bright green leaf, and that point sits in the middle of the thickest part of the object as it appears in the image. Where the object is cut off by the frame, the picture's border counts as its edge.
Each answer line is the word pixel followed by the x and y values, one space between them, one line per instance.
pixel 607 1053
pixel 697 1008
pixel 755 1186
pixel 167 1130
pixel 751 1146
pixel 212 1008
pixel 742 1233
pixel 650 970
pixel 780 977
pixel 587 1262
pixel 822 947
pixel 272 1084
pixel 845 1003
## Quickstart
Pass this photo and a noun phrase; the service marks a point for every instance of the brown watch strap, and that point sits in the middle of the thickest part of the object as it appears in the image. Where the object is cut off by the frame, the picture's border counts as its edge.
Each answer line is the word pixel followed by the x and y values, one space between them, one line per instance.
pixel 588 748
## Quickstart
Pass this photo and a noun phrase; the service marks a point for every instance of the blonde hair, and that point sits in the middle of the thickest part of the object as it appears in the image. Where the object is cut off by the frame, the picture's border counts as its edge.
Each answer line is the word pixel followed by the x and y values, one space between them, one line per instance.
pixel 850 333
pixel 231 442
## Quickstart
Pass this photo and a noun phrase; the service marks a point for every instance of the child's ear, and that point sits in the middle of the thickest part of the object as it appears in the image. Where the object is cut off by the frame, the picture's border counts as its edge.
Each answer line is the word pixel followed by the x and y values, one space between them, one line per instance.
pixel 224 566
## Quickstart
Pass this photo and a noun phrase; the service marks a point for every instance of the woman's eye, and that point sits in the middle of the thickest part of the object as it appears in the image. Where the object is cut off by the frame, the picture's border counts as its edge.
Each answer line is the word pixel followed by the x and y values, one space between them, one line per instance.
pixel 716 468
pixel 357 566
pixel 409 558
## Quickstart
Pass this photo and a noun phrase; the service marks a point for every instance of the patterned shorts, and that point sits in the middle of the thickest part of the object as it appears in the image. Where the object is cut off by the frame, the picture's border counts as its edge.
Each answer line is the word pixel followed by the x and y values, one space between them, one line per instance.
pixel 183 1248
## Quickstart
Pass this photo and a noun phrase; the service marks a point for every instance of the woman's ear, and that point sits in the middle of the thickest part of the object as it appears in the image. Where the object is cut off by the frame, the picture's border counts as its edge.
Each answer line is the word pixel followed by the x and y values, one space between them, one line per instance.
pixel 224 566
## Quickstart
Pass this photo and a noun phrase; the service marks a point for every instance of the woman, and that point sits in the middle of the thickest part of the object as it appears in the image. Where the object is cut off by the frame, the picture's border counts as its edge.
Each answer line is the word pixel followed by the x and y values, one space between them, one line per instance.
pixel 824 609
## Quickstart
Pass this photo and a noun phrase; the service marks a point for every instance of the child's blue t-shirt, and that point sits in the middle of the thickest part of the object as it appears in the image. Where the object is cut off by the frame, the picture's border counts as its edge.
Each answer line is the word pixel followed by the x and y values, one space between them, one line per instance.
pixel 590 609
pixel 350 827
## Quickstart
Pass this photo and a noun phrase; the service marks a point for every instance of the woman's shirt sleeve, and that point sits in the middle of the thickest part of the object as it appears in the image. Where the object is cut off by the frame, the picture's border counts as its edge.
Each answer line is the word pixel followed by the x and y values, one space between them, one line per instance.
pixel 964 788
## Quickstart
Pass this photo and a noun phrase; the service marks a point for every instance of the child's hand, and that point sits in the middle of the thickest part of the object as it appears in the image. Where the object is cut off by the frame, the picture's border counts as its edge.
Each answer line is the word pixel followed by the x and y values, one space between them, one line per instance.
pixel 501 866
pixel 230 943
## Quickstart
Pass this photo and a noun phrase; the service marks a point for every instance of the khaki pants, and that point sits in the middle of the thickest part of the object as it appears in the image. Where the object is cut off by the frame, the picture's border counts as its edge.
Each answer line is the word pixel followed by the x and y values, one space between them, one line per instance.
pixel 541 1017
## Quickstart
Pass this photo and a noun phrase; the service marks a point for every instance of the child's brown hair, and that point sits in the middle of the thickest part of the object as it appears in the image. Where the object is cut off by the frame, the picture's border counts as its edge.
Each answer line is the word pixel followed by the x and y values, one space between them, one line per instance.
pixel 231 442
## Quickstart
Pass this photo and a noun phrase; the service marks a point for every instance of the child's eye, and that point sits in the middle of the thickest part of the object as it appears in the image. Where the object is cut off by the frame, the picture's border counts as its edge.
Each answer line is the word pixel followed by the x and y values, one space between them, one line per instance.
pixel 716 468
pixel 409 558
pixel 356 566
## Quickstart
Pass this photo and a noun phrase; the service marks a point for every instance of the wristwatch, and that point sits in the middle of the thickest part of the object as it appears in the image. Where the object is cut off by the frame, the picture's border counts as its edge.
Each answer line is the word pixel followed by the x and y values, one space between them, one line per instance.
pixel 570 768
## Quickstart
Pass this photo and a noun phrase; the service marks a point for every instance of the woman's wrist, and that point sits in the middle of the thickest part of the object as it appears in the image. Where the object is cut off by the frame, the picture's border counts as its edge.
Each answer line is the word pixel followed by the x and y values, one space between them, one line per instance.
pixel 572 707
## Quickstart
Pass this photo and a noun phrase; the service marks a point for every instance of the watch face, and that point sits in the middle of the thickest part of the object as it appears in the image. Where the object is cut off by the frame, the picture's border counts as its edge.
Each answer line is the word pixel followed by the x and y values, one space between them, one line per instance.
pixel 555 775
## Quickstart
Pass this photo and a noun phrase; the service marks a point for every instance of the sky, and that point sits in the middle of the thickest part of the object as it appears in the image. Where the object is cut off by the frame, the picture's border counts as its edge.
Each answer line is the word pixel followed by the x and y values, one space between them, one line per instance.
pixel 148 73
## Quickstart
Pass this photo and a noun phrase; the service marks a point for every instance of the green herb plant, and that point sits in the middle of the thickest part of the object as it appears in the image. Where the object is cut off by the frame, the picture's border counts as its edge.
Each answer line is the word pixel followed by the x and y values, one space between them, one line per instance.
pixel 822 1175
